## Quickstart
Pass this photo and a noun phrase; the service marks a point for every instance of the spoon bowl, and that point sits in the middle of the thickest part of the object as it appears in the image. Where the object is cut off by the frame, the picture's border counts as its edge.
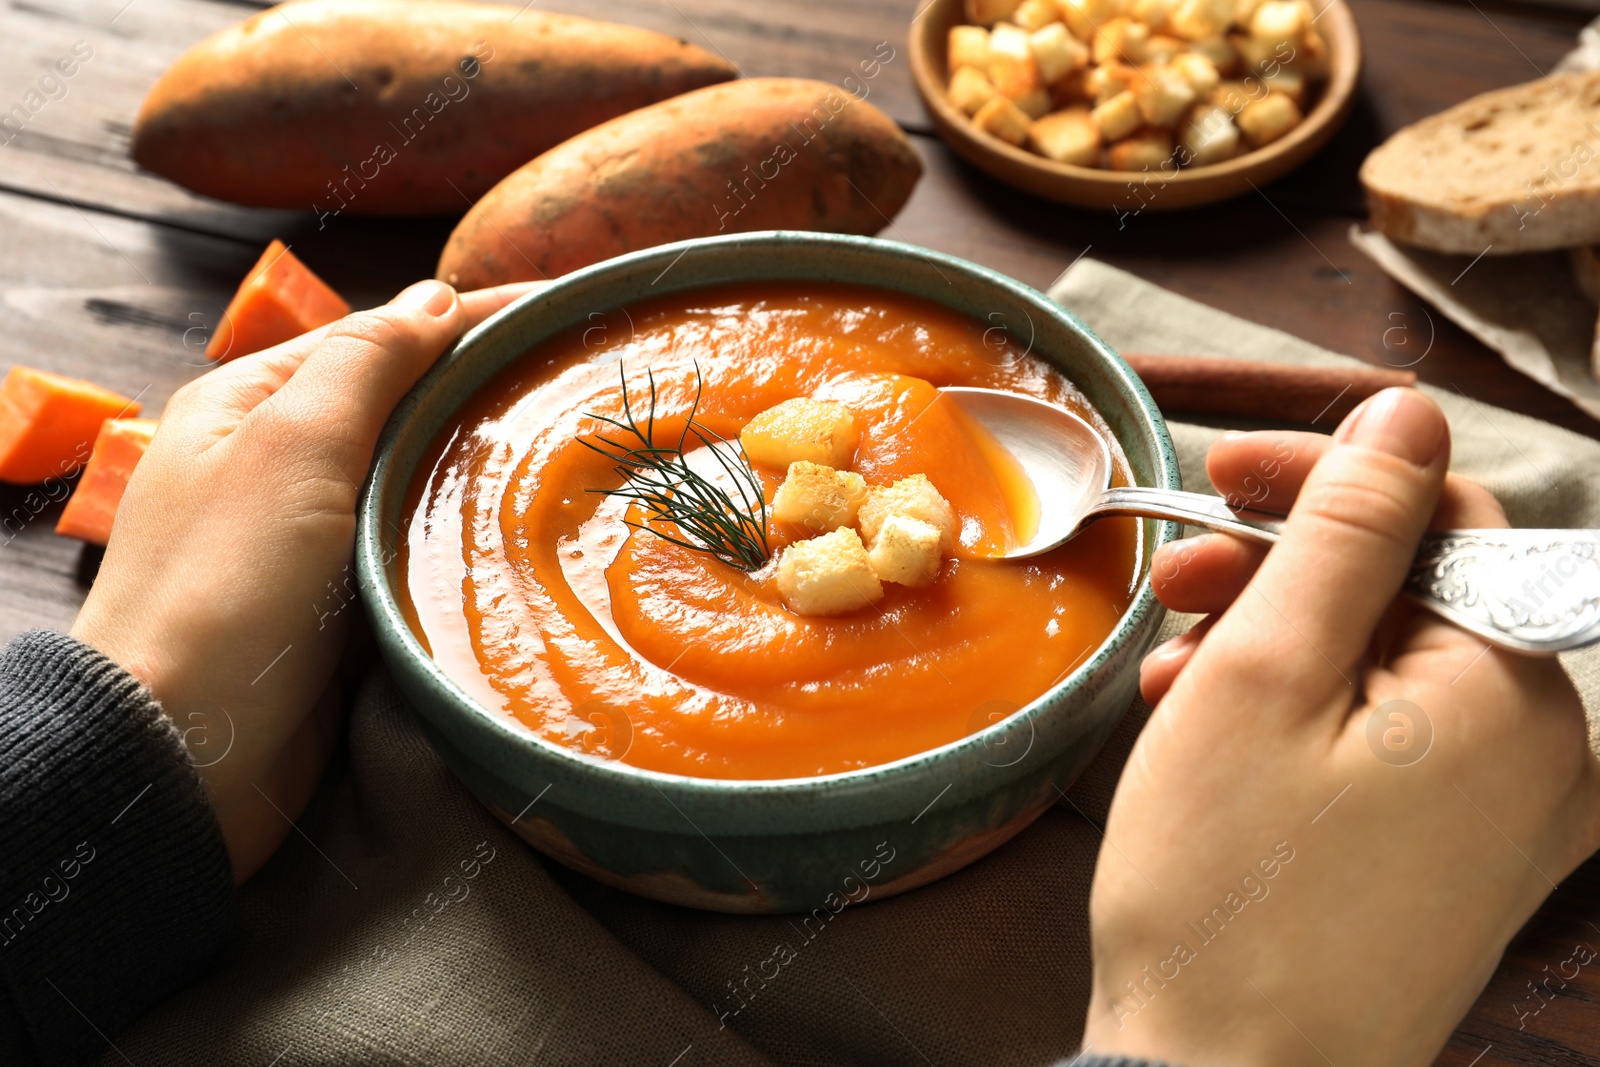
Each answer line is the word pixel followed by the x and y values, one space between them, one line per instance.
pixel 1067 461
pixel 1070 466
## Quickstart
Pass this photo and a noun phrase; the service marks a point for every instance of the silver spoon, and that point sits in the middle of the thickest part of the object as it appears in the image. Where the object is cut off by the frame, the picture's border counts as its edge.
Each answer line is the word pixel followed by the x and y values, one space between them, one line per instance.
pixel 1530 590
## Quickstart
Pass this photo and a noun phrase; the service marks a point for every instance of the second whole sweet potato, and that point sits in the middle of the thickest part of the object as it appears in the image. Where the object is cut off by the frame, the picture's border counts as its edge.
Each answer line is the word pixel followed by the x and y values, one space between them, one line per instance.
pixel 760 154
pixel 395 107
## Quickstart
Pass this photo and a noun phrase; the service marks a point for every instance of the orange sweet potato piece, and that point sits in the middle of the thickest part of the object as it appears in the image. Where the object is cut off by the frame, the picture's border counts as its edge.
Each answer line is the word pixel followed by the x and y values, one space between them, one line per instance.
pixel 278 300
pixel 48 423
pixel 758 154
pixel 396 107
pixel 93 505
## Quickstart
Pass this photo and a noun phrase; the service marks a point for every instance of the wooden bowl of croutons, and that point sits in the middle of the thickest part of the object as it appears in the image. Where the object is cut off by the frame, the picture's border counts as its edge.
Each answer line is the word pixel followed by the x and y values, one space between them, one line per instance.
pixel 1136 105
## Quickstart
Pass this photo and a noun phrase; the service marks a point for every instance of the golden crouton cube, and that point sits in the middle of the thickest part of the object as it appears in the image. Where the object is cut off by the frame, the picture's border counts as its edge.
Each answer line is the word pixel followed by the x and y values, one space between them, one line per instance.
pixel 818 431
pixel 1244 11
pixel 1268 119
pixel 1311 58
pixel 969 47
pixel 1118 116
pixel 1162 48
pixel 1085 17
pixel 906 551
pixel 1121 40
pixel 1163 95
pixel 1290 83
pixel 1036 14
pixel 828 575
pixel 1009 41
pixel 1073 90
pixel 1077 23
pixel 1278 22
pixel 1109 79
pixel 1056 52
pixel 1103 11
pixel 1035 105
pixel 1148 150
pixel 1011 65
pixel 1153 13
pixel 1068 136
pixel 818 497
pixel 970 89
pixel 1195 20
pixel 1235 96
pixel 1258 53
pixel 913 497
pixel 1207 135
pixel 1002 118
pixel 1015 77
pixel 1199 71
pixel 1223 55
pixel 988 12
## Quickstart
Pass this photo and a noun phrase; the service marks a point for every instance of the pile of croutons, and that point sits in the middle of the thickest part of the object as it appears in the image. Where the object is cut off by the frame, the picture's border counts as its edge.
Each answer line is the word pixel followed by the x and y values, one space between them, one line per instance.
pixel 1136 85
pixel 863 535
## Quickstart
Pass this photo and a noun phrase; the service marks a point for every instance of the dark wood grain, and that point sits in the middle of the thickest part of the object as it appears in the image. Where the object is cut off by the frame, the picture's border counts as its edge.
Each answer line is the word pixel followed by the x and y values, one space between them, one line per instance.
pixel 113 274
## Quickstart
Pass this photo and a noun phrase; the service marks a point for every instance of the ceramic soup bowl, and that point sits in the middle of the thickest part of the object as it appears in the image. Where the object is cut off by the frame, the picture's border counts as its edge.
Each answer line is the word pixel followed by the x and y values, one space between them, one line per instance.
pixel 790 845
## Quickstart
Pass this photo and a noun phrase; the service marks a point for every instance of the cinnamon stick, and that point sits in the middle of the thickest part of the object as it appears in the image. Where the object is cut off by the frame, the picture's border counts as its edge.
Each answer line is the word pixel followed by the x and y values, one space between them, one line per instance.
pixel 1251 389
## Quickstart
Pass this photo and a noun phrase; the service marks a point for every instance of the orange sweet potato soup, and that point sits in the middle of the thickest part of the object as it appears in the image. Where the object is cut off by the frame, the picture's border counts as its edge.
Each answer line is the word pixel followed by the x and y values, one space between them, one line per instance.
pixel 528 585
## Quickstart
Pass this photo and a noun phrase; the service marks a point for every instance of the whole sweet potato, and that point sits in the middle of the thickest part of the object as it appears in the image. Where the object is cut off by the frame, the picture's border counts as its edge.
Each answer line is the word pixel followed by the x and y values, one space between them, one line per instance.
pixel 396 107
pixel 761 154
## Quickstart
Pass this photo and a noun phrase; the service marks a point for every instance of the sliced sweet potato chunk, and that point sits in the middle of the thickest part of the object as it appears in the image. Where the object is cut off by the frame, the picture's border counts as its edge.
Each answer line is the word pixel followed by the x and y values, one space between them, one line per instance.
pixel 93 505
pixel 48 423
pixel 280 299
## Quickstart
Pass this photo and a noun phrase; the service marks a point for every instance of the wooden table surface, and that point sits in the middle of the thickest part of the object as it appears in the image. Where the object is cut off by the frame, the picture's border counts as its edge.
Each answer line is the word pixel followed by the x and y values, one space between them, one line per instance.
pixel 105 269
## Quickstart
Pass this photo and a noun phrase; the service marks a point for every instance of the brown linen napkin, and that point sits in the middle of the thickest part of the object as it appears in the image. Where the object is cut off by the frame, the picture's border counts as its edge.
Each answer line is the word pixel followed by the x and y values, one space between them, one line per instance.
pixel 354 949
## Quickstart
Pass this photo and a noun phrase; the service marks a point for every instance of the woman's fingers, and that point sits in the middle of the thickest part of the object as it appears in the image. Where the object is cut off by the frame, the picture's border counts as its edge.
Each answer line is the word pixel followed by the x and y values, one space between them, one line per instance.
pixel 336 403
pixel 481 303
pixel 1466 505
pixel 1202 575
pixel 1166 661
pixel 1265 469
pixel 213 405
pixel 1348 544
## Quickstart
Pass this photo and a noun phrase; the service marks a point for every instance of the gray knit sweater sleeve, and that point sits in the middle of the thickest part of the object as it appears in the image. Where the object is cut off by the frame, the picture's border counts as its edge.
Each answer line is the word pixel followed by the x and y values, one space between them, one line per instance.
pixel 115 886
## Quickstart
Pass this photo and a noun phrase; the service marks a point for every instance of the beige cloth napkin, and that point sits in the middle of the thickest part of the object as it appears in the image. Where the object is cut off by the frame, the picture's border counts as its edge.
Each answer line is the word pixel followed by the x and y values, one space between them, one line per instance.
pixel 352 950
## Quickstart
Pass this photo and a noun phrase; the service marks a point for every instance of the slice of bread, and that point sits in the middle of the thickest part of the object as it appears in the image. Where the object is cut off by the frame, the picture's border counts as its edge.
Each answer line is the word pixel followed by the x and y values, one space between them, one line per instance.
pixel 1514 170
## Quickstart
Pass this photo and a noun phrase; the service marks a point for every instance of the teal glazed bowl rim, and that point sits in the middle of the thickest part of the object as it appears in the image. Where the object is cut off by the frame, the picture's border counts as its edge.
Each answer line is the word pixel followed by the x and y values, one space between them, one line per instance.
pixel 765 805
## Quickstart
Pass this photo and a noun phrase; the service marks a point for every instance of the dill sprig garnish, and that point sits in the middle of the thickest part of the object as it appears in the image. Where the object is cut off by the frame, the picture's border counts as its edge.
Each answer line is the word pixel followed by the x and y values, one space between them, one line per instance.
pixel 660 478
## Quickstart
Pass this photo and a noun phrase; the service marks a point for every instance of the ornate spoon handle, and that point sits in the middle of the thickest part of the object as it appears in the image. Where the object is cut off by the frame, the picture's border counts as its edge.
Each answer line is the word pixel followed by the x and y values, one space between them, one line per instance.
pixel 1531 590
